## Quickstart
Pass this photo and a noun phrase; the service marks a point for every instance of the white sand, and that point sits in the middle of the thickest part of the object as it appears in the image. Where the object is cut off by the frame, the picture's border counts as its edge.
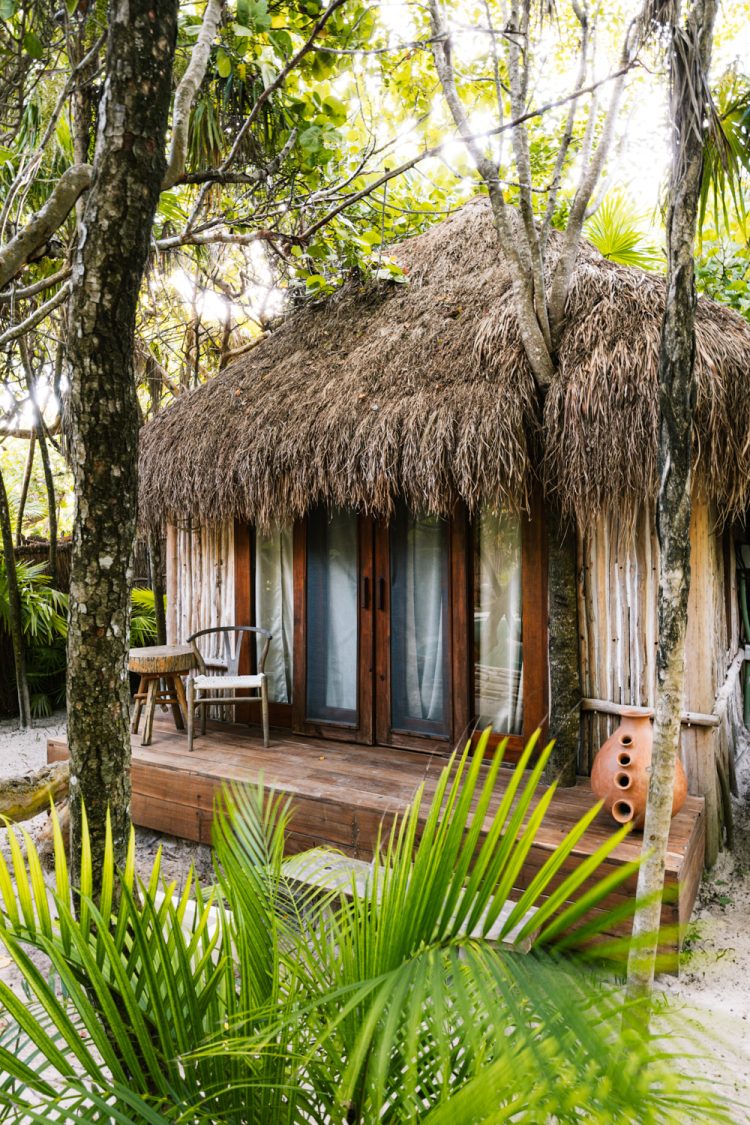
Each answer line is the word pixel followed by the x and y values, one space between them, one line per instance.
pixel 714 981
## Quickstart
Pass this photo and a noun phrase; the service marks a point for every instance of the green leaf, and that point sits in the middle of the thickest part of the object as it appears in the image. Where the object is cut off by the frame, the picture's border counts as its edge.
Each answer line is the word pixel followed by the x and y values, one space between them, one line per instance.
pixel 223 63
pixel 335 109
pixel 282 41
pixel 33 46
pixel 310 140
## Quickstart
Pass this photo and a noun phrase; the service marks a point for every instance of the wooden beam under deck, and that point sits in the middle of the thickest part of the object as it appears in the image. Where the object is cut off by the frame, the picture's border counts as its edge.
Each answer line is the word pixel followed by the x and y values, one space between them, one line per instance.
pixel 343 794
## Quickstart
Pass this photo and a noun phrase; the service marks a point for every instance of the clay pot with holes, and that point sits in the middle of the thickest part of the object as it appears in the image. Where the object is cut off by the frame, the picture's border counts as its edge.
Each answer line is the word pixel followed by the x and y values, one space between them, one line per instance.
pixel 621 771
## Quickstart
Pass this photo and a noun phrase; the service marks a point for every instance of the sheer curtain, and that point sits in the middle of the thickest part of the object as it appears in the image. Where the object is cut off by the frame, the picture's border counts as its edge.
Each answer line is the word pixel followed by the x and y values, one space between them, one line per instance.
pixel 419 597
pixel 332 615
pixel 274 608
pixel 498 641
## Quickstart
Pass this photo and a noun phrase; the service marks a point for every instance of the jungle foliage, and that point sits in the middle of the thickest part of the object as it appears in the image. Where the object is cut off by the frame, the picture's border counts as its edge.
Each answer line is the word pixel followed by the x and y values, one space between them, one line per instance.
pixel 258 1000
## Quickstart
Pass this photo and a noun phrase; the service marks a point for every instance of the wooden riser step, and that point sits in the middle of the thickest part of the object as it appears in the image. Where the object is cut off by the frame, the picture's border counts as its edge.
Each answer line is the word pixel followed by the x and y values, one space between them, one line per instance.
pixel 343 795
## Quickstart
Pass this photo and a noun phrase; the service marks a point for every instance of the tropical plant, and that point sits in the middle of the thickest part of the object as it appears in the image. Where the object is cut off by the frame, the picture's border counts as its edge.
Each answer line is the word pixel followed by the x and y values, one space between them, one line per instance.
pixel 618 232
pixel 43 616
pixel 726 157
pixel 142 617
pixel 262 1001
pixel 43 608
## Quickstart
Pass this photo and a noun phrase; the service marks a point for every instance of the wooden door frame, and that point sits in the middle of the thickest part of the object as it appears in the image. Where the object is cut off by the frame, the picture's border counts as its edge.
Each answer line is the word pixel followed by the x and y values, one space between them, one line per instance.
pixel 374 655
pixel 344 732
pixel 534 631
pixel 280 714
pixel 384 732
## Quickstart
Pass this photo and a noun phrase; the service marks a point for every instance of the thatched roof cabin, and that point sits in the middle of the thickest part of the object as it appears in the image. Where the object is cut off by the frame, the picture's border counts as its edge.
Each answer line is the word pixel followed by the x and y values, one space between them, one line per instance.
pixel 370 483
pixel 422 390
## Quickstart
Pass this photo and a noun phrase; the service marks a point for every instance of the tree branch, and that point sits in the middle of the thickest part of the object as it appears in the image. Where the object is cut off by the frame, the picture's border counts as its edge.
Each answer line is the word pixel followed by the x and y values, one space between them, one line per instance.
pixel 513 240
pixel 36 317
pixel 39 229
pixel 36 287
pixel 187 90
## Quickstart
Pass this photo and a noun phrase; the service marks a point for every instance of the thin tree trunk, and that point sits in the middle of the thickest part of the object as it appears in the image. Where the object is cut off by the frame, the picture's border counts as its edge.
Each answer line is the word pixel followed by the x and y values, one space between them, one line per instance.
pixel 157 585
pixel 49 480
pixel 690 58
pixel 14 610
pixel 108 268
pixel 25 487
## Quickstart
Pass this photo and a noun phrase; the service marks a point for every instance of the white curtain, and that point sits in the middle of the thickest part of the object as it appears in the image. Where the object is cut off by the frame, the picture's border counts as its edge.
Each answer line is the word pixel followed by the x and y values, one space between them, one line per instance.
pixel 498 642
pixel 332 582
pixel 419 560
pixel 274 608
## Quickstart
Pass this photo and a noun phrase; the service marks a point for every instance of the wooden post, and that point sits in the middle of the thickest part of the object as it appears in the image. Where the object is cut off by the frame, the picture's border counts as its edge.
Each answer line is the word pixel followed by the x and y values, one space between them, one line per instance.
pixel 699 745
pixel 243 603
pixel 172 580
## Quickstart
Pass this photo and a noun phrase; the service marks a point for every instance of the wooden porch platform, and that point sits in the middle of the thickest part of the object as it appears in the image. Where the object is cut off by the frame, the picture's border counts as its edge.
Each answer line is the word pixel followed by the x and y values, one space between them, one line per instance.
pixel 343 792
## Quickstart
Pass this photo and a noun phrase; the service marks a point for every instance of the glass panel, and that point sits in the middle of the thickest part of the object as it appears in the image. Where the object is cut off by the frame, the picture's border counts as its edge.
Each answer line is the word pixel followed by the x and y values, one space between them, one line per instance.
pixel 498 645
pixel 419 624
pixel 332 581
pixel 274 608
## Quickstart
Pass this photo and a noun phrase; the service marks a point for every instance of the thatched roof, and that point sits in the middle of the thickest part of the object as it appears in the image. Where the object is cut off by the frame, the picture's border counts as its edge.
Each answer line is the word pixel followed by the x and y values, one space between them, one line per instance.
pixel 422 390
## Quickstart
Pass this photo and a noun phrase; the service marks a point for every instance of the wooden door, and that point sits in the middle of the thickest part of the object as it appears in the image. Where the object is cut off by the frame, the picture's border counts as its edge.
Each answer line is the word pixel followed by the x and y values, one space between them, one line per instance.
pixel 414 625
pixel 333 656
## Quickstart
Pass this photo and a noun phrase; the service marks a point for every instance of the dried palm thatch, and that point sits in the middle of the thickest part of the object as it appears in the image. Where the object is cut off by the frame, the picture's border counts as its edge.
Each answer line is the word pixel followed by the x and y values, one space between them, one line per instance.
pixel 422 391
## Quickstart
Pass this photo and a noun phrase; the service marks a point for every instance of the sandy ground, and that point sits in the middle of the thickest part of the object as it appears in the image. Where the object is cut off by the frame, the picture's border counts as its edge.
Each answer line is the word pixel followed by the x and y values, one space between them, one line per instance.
pixel 714 982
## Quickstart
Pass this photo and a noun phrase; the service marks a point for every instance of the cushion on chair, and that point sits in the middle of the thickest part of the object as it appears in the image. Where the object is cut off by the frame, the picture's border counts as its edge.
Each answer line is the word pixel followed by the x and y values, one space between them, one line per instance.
pixel 223 683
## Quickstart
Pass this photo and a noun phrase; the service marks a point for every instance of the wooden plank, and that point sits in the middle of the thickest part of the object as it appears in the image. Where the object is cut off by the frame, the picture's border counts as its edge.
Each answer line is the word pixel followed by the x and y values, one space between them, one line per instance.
pixel 243 605
pixel 299 633
pixel 171 584
pixel 461 551
pixel 348 772
pixel 534 608
pixel 343 798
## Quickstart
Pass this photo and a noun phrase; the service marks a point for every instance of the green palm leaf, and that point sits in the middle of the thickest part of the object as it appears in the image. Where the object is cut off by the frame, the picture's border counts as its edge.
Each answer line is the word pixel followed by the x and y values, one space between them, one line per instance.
pixel 616 229
pixel 261 1001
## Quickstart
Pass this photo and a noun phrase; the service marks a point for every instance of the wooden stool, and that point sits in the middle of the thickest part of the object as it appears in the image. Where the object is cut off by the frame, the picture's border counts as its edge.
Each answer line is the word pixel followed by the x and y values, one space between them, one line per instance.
pixel 167 663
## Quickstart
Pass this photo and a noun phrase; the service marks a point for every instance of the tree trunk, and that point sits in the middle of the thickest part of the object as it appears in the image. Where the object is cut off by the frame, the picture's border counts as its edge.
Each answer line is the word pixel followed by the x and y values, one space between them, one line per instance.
pixel 14 611
pixel 155 566
pixel 690 58
pixel 49 479
pixel 564 672
pixel 108 268
pixel 25 488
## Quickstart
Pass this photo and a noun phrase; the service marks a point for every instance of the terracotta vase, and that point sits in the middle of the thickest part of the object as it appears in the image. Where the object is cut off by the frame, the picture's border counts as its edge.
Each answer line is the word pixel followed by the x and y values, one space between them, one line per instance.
pixel 621 771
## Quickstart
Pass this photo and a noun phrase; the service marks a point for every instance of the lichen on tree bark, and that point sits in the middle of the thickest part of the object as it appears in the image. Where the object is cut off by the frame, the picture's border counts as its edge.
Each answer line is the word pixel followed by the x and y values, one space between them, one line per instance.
pixel 690 58
pixel 112 250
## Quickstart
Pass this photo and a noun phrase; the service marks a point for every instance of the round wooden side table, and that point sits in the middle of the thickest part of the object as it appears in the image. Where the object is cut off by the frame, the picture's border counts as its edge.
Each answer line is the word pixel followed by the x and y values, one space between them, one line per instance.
pixel 161 668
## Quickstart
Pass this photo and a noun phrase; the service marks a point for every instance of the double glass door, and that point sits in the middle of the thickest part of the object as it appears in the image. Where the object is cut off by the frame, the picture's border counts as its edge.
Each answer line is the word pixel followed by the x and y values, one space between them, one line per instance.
pixel 377 636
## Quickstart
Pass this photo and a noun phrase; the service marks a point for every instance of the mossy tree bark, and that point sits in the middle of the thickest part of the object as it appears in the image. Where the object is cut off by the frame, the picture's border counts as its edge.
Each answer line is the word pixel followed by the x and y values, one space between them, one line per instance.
pixel 564 672
pixel 690 59
pixel 113 243
pixel 14 610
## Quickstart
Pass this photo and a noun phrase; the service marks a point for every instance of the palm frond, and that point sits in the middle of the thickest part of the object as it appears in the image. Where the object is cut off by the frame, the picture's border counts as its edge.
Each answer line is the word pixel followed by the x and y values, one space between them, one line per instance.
pixel 258 1001
pixel 617 230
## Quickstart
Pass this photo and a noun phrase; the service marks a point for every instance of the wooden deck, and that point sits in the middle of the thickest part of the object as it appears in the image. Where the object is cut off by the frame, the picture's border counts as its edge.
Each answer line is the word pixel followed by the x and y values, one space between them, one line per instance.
pixel 342 793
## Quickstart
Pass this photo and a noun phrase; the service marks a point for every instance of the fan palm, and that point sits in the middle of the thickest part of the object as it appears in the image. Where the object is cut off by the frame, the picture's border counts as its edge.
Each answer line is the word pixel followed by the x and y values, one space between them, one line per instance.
pixel 616 229
pixel 264 1001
